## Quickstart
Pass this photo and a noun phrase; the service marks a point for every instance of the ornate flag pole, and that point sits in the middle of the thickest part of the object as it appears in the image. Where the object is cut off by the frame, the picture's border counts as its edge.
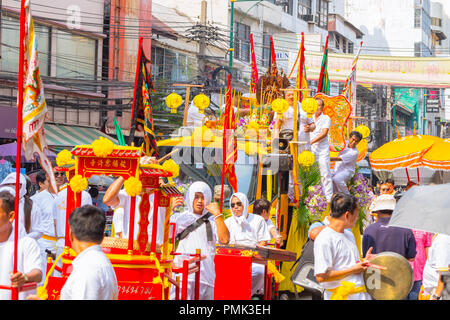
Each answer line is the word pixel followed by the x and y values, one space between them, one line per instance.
pixel 19 130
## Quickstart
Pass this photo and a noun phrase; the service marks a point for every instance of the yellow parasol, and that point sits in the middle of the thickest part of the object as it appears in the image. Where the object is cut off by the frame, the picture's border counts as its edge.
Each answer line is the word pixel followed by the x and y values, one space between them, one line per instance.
pixel 438 157
pixel 404 152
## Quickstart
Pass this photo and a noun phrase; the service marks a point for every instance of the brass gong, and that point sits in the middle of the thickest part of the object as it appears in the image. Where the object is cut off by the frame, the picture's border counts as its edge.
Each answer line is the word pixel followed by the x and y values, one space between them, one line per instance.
pixel 393 283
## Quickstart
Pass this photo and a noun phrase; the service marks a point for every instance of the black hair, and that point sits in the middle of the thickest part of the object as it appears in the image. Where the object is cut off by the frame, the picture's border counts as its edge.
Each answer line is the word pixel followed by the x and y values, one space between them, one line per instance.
pixel 356 134
pixel 8 201
pixel 391 181
pixel 323 102
pixel 261 205
pixel 88 224
pixel 341 203
pixel 93 191
pixel 41 176
pixel 384 211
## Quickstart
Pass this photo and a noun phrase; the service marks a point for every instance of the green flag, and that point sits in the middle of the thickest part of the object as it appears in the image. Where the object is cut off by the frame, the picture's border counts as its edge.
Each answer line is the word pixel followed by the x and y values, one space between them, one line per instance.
pixel 119 133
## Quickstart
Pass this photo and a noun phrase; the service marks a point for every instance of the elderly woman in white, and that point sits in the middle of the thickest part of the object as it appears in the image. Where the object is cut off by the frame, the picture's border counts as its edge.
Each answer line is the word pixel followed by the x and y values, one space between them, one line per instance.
pixel 248 229
pixel 200 227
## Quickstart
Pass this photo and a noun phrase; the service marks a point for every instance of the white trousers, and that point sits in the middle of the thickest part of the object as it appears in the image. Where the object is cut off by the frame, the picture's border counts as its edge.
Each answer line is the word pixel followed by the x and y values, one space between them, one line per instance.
pixel 323 159
pixel 340 179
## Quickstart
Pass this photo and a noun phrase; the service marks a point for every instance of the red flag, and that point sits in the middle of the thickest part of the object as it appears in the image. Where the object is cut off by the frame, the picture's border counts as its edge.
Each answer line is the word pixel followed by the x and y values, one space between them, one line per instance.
pixel 301 71
pixel 254 79
pixel 272 51
pixel 229 146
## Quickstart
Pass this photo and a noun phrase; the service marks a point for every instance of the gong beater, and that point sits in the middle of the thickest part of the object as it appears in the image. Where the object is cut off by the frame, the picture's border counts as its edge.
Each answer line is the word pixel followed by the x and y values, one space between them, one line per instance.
pixel 395 282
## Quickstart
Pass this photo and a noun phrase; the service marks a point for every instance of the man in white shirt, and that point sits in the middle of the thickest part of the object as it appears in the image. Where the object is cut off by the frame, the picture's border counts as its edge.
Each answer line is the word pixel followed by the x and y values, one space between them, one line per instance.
pixel 28 255
pixel 321 148
pixel 29 218
pixel 45 200
pixel 249 230
pixel 336 256
pixel 201 226
pixel 346 162
pixel 438 257
pixel 194 118
pixel 93 276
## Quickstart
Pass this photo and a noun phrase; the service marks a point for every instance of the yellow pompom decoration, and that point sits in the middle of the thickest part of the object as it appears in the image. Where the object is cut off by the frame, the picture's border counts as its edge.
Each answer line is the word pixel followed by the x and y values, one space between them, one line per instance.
pixel 310 105
pixel 42 293
pixel 280 106
pixel 306 159
pixel 253 124
pixel 102 147
pixel 64 158
pixel 133 187
pixel 78 183
pixel 202 102
pixel 172 166
pixel 364 130
pixel 173 101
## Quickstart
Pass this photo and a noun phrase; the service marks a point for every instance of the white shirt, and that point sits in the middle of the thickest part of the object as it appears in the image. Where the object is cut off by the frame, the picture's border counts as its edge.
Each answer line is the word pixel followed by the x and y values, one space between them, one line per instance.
pixel 194 118
pixel 349 158
pixel 438 257
pixel 322 146
pixel 125 203
pixel 59 210
pixel 45 200
pixel 249 233
pixel 28 258
pixel 337 251
pixel 92 278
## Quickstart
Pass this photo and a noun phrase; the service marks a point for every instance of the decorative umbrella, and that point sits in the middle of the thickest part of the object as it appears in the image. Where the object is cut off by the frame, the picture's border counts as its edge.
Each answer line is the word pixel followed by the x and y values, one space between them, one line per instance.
pixel 424 208
pixel 402 153
pixel 438 157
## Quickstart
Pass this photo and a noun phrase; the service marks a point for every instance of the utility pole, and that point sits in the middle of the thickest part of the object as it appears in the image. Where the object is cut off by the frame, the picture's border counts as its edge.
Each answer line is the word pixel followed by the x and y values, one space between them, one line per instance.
pixel 202 44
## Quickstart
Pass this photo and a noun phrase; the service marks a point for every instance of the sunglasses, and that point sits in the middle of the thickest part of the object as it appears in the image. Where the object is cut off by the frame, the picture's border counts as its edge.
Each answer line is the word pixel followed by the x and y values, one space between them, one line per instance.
pixel 239 204
pixel 59 174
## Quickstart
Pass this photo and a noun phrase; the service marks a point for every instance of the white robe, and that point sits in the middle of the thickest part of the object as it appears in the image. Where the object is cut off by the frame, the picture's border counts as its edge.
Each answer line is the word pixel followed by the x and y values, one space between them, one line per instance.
pixel 345 169
pixel 249 229
pixel 197 239
pixel 321 150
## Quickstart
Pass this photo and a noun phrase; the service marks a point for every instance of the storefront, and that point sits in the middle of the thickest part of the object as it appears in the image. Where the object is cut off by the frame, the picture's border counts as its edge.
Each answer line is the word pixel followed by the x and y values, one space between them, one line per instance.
pixel 405 110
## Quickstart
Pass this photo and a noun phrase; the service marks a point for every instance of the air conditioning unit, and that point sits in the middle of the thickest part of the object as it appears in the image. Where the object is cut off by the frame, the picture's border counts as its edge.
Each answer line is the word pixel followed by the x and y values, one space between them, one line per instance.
pixel 307 17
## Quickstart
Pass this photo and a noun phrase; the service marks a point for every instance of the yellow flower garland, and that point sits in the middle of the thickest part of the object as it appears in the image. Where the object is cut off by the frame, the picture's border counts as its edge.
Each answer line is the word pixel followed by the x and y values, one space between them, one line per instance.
pixel 64 158
pixel 133 187
pixel 306 159
pixel 78 183
pixel 102 147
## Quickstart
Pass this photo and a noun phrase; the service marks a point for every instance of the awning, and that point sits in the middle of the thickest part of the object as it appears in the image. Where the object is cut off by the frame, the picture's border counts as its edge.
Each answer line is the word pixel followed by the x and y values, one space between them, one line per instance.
pixel 406 99
pixel 65 137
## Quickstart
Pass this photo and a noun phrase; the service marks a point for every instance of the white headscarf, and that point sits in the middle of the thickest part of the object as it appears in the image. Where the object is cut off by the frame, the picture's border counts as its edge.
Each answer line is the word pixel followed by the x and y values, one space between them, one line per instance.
pixel 11 179
pixel 241 220
pixel 198 186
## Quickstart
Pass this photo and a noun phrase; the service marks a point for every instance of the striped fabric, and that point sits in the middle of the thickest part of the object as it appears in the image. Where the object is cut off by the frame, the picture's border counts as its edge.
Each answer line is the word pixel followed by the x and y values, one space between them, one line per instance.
pixel 65 137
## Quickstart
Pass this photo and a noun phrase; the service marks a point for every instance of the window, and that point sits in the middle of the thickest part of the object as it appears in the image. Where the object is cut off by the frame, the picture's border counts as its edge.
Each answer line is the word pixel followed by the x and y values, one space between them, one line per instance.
pixel 304 10
pixel 242 47
pixel 437 22
pixel 350 47
pixel 10 46
pixel 171 65
pixel 322 14
pixel 417 49
pixel 266 55
pixel 76 56
pixel 288 6
pixel 417 16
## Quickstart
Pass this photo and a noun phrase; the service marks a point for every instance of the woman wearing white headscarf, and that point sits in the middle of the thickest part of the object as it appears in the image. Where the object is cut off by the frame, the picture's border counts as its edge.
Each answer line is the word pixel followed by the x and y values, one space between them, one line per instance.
pixel 250 230
pixel 204 237
pixel 31 223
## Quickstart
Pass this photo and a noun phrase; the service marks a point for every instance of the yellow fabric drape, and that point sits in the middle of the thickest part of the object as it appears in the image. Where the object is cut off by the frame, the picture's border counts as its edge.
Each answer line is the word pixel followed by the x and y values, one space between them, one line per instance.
pixel 345 289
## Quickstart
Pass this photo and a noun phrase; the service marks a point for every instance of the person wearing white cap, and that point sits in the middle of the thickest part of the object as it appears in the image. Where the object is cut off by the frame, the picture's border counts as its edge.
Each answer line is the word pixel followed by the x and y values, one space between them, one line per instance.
pixel 248 229
pixel 200 227
pixel 383 238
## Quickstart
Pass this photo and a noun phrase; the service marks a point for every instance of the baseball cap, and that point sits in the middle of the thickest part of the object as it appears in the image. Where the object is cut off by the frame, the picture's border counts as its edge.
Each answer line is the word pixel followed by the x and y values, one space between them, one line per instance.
pixel 384 202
